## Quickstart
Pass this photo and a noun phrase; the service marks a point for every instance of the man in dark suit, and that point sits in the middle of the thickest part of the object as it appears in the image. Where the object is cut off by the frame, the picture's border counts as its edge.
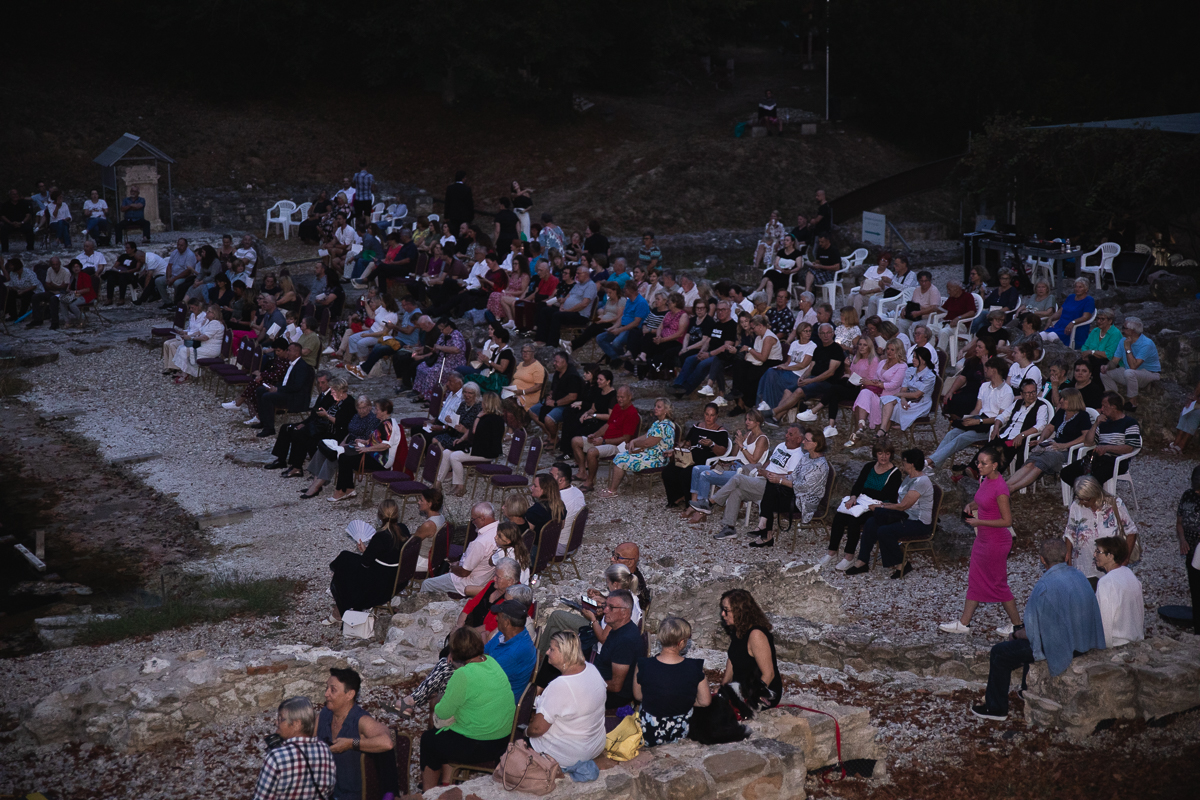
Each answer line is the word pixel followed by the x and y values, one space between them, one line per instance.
pixel 459 202
pixel 293 392
pixel 298 441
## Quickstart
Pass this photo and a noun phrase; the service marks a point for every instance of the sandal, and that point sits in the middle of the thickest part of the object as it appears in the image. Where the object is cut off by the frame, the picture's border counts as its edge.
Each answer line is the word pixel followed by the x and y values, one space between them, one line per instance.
pixel 606 493
pixel 406 707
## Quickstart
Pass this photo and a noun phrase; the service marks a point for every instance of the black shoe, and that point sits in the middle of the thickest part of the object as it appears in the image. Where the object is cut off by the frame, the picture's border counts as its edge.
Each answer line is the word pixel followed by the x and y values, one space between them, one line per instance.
pixel 900 573
pixel 304 496
pixel 764 543
pixel 857 570
pixel 1131 407
pixel 53 326
pixel 983 712
pixel 35 324
pixel 265 432
pixel 287 473
pixel 276 464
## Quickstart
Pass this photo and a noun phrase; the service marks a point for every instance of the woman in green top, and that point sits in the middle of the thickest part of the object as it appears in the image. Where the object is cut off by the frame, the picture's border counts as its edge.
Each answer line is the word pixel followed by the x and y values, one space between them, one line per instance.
pixel 473 721
pixel 1102 341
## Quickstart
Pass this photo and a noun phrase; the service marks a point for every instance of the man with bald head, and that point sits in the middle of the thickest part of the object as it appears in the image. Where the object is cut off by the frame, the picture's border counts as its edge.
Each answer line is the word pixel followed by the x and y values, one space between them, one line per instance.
pixel 622 426
pixel 475 568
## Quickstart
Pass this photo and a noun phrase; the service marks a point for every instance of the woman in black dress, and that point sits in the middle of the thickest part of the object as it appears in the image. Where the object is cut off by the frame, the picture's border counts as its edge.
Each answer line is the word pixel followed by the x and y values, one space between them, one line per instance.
pixel 669 685
pixel 704 440
pixel 959 397
pixel 364 579
pixel 590 412
pixel 752 664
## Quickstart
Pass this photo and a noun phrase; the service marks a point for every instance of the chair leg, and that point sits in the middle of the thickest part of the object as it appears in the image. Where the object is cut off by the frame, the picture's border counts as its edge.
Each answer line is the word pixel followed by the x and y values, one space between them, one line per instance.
pixel 575 567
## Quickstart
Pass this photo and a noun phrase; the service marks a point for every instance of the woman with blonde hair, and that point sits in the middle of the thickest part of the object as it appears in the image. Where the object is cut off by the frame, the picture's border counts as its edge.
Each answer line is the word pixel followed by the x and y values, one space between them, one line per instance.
pixel 669 685
pixel 885 379
pixel 364 579
pixel 645 452
pixel 1066 429
pixel 1095 514
pixel 485 442
pixel 568 724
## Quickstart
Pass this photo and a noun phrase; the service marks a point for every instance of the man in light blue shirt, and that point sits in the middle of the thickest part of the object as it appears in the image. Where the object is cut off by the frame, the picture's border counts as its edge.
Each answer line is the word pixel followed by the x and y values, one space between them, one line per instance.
pixel 613 340
pixel 1062 620
pixel 511 647
pixel 1135 365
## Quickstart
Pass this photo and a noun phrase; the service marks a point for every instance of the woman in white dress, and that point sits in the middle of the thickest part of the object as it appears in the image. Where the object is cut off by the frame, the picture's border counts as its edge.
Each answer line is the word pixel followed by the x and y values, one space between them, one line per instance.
pixel 209 335
pixel 915 398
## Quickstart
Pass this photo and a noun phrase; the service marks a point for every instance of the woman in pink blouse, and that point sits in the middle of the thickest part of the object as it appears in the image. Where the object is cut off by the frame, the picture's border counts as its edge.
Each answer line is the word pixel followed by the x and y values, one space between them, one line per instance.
pixel 887 377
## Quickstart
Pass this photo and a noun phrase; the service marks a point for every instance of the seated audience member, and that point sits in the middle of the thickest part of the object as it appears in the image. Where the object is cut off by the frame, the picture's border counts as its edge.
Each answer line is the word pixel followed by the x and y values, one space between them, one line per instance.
pixel 785 377
pixel 452 437
pixel 752 363
pixel 751 485
pixel 293 393
pixel 1006 296
pixel 828 367
pixel 872 282
pixel 590 412
pixel 911 517
pixel 346 427
pixel 298 441
pixel 780 316
pixel 959 305
pixel 751 663
pixel 620 428
pixel 1070 321
pixel 626 555
pixel 349 731
pixel 660 348
pixel 1042 303
pixel 1189 421
pixel 1030 327
pixel 878 480
pixel 645 452
pixel 296 725
pixel 47 303
pixel 23 285
pixel 915 398
pixel 622 648
pixel 512 647
pixel 133 215
pixel 205 342
pixel 566 386
pixel 547 505
pixel 923 337
pixel 195 319
pixel 1093 515
pixel 83 291
pixel 902 282
pixel 885 379
pixel 1187 529
pixel 473 721
pixel 1023 366
pixel 925 301
pixel 1114 433
pixel 802 490
pixel 716 351
pixel 704 440
pixel 274 367
pixel 669 685
pixel 861 367
pixel 1119 594
pixel 477 611
pixel 750 445
pixel 475 568
pixel 364 579
pixel 568 723
pixel 1062 618
pixel 1135 366
pixel 847 330
pixel 575 308
pixel 826 261
pixel 1066 429
pixel 572 499
pixel 1103 341
pixel 1024 418
pixel 450 350
pixel 977 280
pixel 510 536
pixel 991 327
pixel 429 506
pixel 960 393
pixel 483 440
pixel 804 313
pixel 995 399
pixel 369 454
pixel 623 331
pixel 17 217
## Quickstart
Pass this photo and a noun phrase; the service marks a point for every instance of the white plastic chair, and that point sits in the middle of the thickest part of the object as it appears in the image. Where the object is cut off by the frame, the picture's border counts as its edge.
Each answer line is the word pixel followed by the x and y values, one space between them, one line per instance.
pixel 888 306
pixel 434 218
pixel 1108 252
pixel 832 288
pixel 395 216
pixel 732 462
pixel 858 257
pixel 1077 342
pixel 377 212
pixel 1144 249
pixel 280 214
pixel 1110 485
pixel 962 328
pixel 302 212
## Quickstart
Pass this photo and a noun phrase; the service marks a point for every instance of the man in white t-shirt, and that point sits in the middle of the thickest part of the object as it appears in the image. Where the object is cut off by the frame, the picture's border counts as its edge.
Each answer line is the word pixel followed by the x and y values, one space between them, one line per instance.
pixel 691 292
pixel 91 259
pixel 573 499
pixel 749 486
pixel 739 300
pixel 95 215
pixel 245 258
pixel 1119 593
pixel 475 569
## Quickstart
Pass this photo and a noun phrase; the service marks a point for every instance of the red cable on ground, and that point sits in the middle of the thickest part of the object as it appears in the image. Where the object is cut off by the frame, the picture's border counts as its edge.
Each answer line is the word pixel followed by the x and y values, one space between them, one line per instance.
pixel 837 734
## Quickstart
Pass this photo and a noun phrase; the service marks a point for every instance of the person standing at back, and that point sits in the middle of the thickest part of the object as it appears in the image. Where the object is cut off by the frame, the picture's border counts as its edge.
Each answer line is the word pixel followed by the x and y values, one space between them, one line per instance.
pixel 364 193
pixel 459 202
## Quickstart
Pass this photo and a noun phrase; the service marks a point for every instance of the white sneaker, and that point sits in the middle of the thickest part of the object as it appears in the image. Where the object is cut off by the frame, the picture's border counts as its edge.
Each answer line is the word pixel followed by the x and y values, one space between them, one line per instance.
pixel 954 627
pixel 844 564
pixel 807 416
pixel 830 432
pixel 231 405
pixel 720 402
pixel 252 421
pixel 328 351
pixel 511 326
pixel 763 406
pixel 1005 630
pixel 707 391
pixel 565 345
pixel 825 559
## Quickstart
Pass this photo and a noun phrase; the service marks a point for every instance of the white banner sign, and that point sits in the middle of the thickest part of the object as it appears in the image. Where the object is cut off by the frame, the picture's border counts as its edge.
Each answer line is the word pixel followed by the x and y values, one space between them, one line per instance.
pixel 874 228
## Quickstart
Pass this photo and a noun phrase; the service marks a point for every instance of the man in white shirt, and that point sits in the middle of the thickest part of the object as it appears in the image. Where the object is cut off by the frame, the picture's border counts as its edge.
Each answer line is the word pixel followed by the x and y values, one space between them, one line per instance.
pixel 749 486
pixel 478 270
pixel 738 300
pixel 348 190
pixel 475 569
pixel 994 401
pixel 572 497
pixel 57 282
pixel 92 260
pixel 691 292
pixel 1119 593
pixel 95 215
pixel 344 238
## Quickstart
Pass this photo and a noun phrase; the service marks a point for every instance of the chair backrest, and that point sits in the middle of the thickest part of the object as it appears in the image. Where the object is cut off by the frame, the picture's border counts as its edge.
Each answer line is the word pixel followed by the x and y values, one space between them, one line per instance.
pixel 942 359
pixel 401 753
pixel 409 552
pixel 1109 251
pixel 440 549
pixel 827 498
pixel 547 545
pixel 435 401
pixel 245 355
pixel 858 256
pixel 516 448
pixel 534 455
pixel 226 343
pixel 937 397
pixel 529 538
pixel 415 448
pixel 422 262
pixel 524 710
pixel 181 316
pixel 430 217
pixel 433 459
pixel 937 507
pixel 302 210
pixel 577 527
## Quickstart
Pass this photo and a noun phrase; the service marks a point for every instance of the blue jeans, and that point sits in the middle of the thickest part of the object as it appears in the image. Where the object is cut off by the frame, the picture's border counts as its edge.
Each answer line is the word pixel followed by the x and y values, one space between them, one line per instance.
pixel 774 383
pixel 555 413
pixel 704 478
pixel 377 352
pixel 62 229
pixel 694 372
pixel 1005 657
pixel 94 225
pixel 958 439
pixel 612 345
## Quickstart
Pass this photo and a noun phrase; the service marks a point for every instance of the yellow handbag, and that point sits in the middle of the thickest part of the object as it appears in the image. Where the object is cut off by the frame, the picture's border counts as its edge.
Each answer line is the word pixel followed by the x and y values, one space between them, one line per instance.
pixel 624 742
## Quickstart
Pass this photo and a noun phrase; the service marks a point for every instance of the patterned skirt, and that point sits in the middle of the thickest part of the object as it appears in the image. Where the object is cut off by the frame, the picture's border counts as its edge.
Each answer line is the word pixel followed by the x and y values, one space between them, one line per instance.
pixel 663 730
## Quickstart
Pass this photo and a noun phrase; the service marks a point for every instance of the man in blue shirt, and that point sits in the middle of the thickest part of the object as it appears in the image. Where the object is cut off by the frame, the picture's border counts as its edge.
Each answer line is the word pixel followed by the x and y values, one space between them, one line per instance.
pixel 1062 620
pixel 512 647
pixel 576 309
pixel 621 650
pixel 364 192
pixel 133 215
pixel 613 340
pixel 1136 364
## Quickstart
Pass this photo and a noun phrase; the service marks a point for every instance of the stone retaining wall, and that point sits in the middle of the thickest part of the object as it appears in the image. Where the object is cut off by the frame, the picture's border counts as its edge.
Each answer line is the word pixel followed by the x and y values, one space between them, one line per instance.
pixel 1143 680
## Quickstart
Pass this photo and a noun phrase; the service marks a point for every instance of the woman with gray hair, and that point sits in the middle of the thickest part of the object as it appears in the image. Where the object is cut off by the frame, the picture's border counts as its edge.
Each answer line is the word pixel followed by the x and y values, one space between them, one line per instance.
pixel 468 410
pixel 1136 364
pixel 348 427
pixel 1042 302
pixel 669 686
pixel 1006 296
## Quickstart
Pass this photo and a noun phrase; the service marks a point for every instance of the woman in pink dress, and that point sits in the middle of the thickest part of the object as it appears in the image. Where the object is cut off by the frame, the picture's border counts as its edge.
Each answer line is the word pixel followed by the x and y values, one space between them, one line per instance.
pixel 887 377
pixel 991 517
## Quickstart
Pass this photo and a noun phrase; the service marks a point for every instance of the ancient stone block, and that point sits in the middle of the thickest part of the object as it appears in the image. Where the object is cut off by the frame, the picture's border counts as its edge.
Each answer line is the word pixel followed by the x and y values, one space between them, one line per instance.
pixel 733 765
pixel 765 788
pixel 266 669
pixel 669 779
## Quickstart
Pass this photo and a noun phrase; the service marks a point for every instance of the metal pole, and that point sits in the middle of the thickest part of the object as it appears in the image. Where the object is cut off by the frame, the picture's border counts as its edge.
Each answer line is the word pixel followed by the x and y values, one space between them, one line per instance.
pixel 827 60
pixel 170 200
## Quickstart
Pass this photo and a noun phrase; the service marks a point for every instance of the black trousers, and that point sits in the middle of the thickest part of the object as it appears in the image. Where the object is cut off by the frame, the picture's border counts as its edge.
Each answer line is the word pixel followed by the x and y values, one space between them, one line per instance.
pixel 7 230
pixel 851 527
pixel 117 278
pixel 43 301
pixel 350 461
pixel 267 403
pixel 143 224
pixel 295 443
pixel 551 320
pixel 18 303
pixel 777 499
pixel 678 482
pixel 1101 469
pixel 1193 576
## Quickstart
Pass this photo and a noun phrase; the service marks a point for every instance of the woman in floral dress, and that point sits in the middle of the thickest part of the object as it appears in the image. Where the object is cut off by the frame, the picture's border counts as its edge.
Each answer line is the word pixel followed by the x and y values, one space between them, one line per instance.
pixel 645 452
pixel 451 350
